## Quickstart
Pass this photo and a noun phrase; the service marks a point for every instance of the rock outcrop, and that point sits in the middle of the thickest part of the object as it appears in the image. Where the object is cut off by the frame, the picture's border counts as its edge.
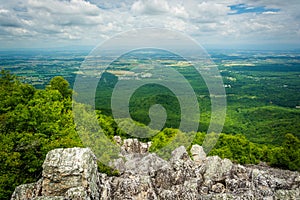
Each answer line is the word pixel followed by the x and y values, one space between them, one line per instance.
pixel 72 174
pixel 67 173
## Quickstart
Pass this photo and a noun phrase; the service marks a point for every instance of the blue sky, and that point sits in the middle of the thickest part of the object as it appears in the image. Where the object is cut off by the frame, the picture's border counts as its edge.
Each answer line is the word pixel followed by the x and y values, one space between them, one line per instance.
pixel 255 24
pixel 243 8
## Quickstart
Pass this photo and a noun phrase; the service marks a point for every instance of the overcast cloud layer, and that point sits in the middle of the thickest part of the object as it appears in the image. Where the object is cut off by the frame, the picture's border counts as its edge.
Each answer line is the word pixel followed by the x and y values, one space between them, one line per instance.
pixel 219 23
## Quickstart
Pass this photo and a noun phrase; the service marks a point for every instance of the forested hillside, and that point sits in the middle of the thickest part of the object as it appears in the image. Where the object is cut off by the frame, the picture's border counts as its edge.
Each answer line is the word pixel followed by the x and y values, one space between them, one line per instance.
pixel 34 121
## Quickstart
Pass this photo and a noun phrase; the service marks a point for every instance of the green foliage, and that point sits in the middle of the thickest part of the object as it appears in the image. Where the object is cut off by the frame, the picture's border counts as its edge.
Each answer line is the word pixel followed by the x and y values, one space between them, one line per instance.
pixel 12 92
pixel 94 136
pixel 263 124
pixel 199 138
pixel 109 126
pixel 32 122
pixel 234 147
pixel 102 168
pixel 162 139
pixel 104 91
pixel 252 110
pixel 168 140
pixel 288 155
pixel 62 85
pixel 149 95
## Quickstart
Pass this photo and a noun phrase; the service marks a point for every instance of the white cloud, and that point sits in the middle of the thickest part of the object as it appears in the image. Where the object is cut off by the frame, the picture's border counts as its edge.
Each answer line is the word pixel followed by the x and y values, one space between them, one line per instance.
pixel 150 7
pixel 179 11
pixel 65 7
pixel 62 22
pixel 212 9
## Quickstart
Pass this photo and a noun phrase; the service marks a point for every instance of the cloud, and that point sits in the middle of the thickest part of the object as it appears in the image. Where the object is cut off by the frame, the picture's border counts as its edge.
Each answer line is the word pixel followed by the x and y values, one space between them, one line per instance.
pixel 65 7
pixel 150 7
pixel 7 19
pixel 179 11
pixel 65 13
pixel 88 22
pixel 51 22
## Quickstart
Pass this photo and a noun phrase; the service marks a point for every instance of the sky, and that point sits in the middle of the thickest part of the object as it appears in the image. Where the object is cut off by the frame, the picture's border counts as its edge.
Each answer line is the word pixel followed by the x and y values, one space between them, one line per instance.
pixel 232 24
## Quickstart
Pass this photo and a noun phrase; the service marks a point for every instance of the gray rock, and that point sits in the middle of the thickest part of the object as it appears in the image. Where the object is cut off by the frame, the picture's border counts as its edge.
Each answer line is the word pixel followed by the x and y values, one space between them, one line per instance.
pixel 64 169
pixel 180 160
pixel 105 186
pixel 49 198
pixel 217 169
pixel 27 191
pixel 145 165
pixel 132 187
pixel 72 174
pixel 288 194
pixel 218 188
pixel 180 154
pixel 134 146
pixel 77 193
pixel 118 140
pixel 198 154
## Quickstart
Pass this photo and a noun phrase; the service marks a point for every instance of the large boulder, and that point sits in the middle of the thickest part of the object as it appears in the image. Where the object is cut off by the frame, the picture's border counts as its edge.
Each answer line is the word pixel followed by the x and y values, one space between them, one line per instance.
pixel 66 169
pixel 67 173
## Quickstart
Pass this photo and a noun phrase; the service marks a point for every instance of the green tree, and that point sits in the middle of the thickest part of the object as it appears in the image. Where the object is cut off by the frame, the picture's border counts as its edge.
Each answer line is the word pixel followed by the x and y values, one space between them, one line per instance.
pixel 32 122
pixel 62 85
pixel 288 155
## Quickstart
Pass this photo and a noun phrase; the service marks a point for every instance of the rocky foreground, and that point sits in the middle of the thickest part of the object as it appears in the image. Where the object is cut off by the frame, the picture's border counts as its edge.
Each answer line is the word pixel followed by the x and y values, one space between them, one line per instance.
pixel 72 174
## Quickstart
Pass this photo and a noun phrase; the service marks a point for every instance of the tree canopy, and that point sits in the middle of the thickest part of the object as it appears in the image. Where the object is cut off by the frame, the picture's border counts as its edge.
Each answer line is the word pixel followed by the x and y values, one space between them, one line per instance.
pixel 32 122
